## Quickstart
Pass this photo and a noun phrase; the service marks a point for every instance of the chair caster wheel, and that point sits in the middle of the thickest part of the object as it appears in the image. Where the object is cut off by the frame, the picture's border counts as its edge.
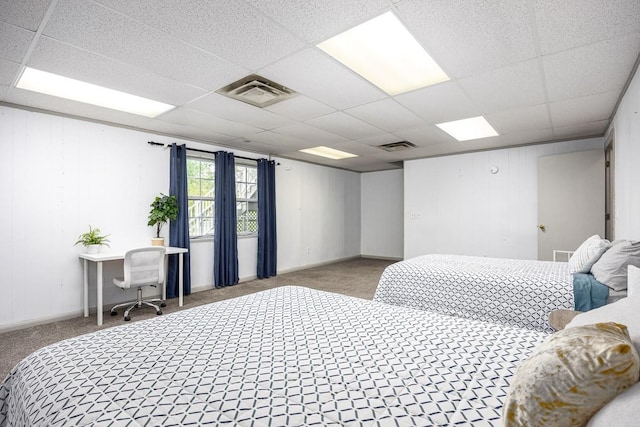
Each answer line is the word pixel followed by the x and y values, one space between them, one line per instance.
pixel 159 312
pixel 163 305
pixel 127 318
pixel 114 313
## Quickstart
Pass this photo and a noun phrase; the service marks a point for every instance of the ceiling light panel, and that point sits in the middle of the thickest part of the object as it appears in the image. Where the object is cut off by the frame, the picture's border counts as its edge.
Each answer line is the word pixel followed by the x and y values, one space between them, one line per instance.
pixel 466 129
pixel 329 153
pixel 76 90
pixel 385 53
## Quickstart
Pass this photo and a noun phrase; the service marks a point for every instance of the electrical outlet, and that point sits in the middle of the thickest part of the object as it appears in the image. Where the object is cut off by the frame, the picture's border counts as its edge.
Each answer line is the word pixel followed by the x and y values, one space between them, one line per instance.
pixel 308 251
pixel 415 215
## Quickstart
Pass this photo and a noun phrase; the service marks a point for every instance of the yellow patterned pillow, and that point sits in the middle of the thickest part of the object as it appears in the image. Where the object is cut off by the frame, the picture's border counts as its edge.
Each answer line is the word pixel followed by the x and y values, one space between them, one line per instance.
pixel 571 376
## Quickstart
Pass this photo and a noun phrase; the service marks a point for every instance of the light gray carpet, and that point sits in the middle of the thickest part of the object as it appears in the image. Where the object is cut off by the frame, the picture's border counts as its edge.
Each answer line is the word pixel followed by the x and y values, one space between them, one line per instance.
pixel 357 277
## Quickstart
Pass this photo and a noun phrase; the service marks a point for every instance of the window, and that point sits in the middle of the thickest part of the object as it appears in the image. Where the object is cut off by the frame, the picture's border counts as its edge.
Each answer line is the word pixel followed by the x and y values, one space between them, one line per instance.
pixel 201 188
pixel 247 198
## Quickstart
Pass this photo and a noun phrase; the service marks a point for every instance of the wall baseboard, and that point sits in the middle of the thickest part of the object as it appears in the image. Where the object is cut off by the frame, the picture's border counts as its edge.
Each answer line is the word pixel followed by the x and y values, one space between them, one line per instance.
pixel 44 320
pixel 386 258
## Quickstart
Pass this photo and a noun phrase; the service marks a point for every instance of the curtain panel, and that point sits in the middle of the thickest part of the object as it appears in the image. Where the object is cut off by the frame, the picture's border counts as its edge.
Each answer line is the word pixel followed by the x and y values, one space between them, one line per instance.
pixel 225 239
pixel 179 229
pixel 267 238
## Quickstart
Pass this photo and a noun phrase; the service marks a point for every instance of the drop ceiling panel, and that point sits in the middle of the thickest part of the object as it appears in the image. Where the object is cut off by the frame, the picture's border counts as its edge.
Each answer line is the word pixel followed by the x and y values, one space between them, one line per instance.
pixel 375 167
pixel 514 138
pixel 424 136
pixel 92 27
pixel 566 24
pixel 186 117
pixel 590 108
pixel 3 92
pixel 310 134
pixel 283 143
pixel 520 119
pixel 237 111
pixel 257 149
pixel 15 42
pixel 385 138
pixel 364 151
pixel 68 107
pixel 470 37
pixel 596 68
pixel 434 150
pixel 316 75
pixel 386 114
pixel 24 13
pixel 230 29
pixel 318 20
pixel 345 125
pixel 581 130
pixel 440 103
pixel 55 57
pixel 300 108
pixel 8 72
pixel 297 155
pixel 506 87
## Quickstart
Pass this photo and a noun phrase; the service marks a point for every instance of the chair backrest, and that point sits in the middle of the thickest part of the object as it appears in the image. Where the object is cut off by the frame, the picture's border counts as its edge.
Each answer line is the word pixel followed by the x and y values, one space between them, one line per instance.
pixel 144 266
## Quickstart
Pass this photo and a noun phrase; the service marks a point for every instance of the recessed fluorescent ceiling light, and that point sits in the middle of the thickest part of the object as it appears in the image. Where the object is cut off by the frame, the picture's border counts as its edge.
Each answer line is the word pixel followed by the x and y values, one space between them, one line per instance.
pixel 385 53
pixel 76 90
pixel 329 153
pixel 466 129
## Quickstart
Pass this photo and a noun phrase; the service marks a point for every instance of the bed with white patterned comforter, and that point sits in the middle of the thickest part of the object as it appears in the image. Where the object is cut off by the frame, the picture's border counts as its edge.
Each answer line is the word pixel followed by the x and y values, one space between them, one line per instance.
pixel 512 292
pixel 290 356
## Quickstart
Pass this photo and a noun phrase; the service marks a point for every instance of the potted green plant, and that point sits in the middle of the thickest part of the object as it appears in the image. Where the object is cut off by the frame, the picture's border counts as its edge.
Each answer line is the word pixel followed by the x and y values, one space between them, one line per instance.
pixel 163 208
pixel 92 240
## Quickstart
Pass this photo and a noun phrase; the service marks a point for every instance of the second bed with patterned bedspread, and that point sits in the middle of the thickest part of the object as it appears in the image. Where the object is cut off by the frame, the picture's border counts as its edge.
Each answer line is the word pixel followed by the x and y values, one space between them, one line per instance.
pixel 512 292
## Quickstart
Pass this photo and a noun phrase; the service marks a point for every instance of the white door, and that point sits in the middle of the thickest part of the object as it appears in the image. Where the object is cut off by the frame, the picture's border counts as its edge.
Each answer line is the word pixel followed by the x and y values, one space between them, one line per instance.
pixel 570 200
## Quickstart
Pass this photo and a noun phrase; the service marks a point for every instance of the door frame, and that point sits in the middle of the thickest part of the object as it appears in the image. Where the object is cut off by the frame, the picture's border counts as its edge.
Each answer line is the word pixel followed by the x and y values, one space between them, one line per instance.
pixel 609 188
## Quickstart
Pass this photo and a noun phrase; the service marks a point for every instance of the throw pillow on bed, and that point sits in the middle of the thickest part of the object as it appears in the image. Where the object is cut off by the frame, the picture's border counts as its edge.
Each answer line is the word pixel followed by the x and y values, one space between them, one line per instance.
pixel 571 376
pixel 587 254
pixel 611 268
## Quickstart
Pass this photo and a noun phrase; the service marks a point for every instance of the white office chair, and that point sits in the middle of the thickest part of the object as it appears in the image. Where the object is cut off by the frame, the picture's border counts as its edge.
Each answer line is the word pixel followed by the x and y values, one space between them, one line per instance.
pixel 142 267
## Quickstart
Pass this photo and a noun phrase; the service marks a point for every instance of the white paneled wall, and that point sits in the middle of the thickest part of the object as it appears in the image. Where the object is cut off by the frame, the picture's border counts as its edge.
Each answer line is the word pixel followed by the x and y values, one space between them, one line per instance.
pixel 627 163
pixel 454 205
pixel 319 210
pixel 382 214
pixel 58 175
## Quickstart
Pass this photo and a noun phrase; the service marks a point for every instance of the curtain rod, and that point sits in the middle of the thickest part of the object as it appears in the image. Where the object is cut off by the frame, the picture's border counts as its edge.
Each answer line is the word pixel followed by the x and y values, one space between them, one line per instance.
pixel 206 151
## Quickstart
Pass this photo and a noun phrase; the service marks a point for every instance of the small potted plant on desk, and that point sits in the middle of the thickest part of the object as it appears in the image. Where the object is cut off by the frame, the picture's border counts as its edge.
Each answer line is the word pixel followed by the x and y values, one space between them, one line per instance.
pixel 92 240
pixel 163 208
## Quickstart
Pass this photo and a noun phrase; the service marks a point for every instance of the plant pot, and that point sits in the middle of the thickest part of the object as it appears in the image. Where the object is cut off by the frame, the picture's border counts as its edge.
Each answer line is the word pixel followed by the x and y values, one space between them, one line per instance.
pixel 93 249
pixel 157 241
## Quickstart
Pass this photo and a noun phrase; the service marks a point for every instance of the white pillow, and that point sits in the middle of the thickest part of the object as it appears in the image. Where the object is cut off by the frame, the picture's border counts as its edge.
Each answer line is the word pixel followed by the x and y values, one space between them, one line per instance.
pixel 633 281
pixel 587 254
pixel 622 411
pixel 611 268
pixel 625 311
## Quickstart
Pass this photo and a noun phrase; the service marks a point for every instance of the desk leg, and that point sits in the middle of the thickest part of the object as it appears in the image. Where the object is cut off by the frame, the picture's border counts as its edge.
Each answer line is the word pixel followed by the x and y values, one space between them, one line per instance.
pixel 180 281
pixel 85 295
pixel 166 276
pixel 99 292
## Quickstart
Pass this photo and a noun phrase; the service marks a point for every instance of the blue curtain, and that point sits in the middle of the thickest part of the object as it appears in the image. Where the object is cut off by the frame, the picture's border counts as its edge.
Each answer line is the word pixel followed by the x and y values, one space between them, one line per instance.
pixel 179 229
pixel 225 237
pixel 267 240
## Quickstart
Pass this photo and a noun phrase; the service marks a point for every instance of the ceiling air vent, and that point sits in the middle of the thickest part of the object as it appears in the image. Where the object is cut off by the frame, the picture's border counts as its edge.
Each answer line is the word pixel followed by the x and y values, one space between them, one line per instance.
pixel 256 90
pixel 397 146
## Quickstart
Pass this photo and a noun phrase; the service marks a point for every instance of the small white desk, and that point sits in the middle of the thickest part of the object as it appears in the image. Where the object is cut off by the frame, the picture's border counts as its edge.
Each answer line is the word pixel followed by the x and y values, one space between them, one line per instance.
pixel 99 258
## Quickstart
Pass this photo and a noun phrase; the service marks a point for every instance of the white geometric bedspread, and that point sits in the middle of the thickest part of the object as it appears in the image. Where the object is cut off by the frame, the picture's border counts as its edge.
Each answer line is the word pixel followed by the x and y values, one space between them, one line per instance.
pixel 512 292
pixel 289 356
